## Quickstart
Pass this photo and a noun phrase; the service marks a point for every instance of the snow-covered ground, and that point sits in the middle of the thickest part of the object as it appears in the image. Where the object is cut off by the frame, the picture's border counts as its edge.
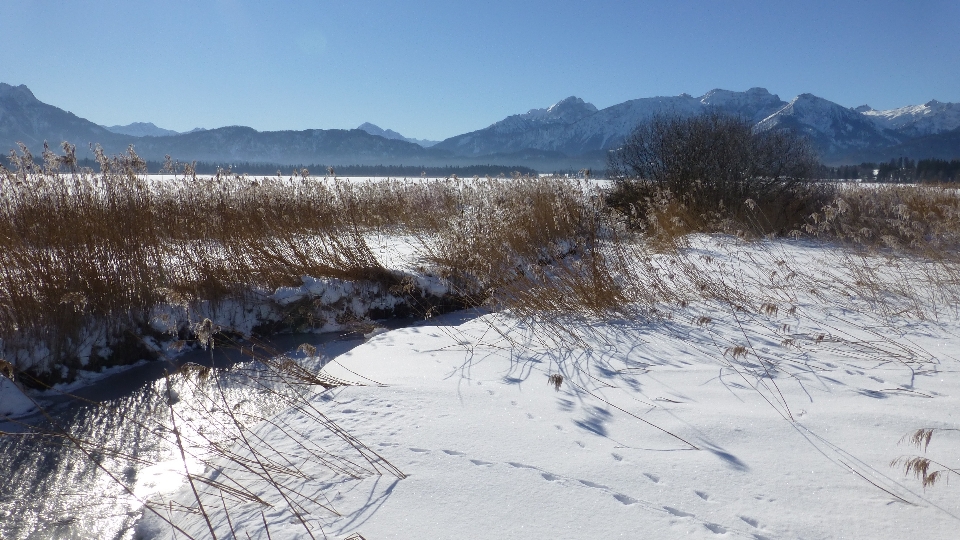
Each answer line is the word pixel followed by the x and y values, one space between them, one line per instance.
pixel 13 402
pixel 704 422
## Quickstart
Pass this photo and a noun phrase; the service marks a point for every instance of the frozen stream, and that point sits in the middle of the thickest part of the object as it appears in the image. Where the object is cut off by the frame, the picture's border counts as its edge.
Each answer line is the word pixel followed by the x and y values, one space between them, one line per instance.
pixel 50 489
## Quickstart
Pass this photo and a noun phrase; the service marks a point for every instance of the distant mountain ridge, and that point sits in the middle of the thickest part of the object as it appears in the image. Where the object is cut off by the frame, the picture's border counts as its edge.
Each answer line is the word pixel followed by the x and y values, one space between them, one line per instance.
pixel 569 134
pixel 588 130
pixel 840 134
pixel 326 146
pixel 24 118
pixel 374 129
pixel 918 120
pixel 141 129
pixel 146 129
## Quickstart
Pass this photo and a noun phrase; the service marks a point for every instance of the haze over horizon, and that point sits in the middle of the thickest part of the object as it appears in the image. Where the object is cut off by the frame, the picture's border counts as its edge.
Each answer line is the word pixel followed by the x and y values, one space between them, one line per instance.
pixel 432 70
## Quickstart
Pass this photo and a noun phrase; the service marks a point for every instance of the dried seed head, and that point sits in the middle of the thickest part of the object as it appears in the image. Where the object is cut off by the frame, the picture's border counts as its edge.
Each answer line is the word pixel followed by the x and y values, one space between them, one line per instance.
pixel 307 349
pixel 205 331
pixel 7 370
pixel 736 351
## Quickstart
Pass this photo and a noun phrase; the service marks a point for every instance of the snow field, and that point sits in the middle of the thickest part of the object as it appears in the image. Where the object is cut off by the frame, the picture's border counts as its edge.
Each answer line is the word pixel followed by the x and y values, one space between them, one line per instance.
pixel 706 422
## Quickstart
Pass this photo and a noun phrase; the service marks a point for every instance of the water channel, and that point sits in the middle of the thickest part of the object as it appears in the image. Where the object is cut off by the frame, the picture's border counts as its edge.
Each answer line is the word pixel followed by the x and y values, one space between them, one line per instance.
pixel 53 488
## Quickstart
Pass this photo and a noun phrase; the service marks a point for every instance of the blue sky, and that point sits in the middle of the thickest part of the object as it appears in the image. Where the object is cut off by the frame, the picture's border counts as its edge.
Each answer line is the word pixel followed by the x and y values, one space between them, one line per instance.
pixel 434 69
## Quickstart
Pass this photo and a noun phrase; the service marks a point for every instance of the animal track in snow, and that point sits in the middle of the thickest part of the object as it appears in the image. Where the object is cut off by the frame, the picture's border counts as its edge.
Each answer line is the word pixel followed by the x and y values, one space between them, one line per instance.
pixel 593 484
pixel 626 500
pixel 550 477
pixel 715 529
pixel 678 513
pixel 419 450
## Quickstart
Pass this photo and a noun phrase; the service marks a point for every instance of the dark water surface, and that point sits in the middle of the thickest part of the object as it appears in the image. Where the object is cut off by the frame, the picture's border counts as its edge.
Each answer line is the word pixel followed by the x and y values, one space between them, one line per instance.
pixel 51 489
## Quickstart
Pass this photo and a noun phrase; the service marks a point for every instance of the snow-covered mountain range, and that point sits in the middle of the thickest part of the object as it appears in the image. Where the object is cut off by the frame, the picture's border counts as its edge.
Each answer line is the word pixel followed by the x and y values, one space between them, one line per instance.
pixel 916 120
pixel 571 133
pixel 839 133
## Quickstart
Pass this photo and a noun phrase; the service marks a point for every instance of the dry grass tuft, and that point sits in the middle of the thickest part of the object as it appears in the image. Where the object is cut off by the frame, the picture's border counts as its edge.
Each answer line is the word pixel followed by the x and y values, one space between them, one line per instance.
pixel 928 471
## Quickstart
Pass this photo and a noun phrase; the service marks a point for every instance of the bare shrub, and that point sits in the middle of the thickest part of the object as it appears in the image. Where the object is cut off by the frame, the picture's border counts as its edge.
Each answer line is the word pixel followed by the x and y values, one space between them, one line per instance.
pixel 704 168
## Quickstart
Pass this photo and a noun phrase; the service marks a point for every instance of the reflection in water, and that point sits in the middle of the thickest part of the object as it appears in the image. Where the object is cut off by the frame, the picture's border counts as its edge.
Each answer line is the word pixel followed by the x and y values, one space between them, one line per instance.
pixel 83 468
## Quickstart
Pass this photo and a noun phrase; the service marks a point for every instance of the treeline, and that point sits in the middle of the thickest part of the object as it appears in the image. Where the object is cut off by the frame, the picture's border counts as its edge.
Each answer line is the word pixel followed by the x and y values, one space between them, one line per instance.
pixel 409 171
pixel 272 169
pixel 901 170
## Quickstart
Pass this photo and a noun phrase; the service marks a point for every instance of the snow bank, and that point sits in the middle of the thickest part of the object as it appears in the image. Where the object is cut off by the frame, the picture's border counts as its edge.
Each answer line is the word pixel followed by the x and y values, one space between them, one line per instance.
pixel 317 305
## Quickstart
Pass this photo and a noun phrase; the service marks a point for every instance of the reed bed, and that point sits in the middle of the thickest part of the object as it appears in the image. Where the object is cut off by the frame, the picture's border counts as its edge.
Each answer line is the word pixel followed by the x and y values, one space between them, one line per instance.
pixel 85 256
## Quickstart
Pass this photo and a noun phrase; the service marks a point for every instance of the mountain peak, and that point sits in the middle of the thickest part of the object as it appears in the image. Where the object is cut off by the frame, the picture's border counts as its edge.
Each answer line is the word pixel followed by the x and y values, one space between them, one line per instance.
pixel 755 104
pixel 374 129
pixel 863 108
pixel 810 102
pixel 565 111
pixel 572 102
pixel 141 129
pixel 20 93
pixel 807 96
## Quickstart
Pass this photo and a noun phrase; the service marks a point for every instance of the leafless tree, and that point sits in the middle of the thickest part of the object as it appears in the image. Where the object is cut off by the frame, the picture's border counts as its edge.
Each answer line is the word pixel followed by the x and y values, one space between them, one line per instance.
pixel 718 157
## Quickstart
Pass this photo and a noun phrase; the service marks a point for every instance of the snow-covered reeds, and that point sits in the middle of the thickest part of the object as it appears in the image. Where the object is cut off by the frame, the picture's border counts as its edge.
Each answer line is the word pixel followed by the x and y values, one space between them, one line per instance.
pixel 88 256
pixel 85 255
